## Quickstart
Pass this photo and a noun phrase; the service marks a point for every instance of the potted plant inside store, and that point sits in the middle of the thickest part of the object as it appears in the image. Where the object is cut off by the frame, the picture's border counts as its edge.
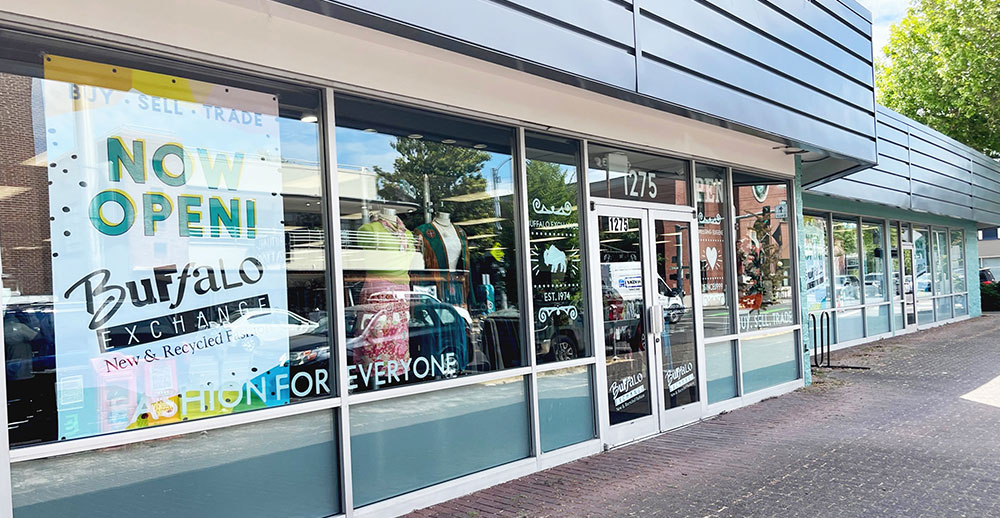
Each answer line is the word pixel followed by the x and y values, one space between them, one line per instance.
pixel 760 261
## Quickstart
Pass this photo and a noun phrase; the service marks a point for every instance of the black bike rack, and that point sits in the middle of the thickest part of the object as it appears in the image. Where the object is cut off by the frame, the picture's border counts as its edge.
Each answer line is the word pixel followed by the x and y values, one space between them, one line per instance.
pixel 821 331
pixel 821 341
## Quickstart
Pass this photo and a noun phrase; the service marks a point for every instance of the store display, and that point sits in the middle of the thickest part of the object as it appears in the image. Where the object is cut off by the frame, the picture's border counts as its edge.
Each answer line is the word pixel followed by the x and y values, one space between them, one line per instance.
pixel 388 336
pixel 446 250
pixel 427 247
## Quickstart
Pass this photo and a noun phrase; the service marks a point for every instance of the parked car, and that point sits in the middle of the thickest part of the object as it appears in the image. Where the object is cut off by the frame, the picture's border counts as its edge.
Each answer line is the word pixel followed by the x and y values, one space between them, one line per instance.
pixel 986 276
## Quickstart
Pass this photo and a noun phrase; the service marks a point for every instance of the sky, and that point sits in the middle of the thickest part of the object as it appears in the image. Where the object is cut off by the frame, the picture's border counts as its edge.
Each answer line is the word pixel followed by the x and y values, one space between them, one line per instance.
pixel 884 14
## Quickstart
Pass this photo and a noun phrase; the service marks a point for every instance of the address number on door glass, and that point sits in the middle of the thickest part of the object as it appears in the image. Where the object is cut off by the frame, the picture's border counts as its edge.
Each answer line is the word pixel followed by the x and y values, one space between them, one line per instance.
pixel 640 184
pixel 618 224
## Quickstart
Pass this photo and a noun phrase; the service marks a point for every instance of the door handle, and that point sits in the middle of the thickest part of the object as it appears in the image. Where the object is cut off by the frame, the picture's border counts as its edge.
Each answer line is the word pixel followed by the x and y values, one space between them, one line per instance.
pixel 656 319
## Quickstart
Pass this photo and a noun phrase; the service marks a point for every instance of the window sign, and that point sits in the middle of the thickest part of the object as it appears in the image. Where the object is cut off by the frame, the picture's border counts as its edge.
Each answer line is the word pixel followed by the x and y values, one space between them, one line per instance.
pixel 554 231
pixel 168 254
pixel 630 175
pixel 815 263
pixel 713 239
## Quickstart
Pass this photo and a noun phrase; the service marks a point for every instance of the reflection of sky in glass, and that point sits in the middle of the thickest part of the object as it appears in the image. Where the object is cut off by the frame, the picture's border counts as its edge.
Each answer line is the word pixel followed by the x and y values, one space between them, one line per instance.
pixel 356 148
pixel 299 141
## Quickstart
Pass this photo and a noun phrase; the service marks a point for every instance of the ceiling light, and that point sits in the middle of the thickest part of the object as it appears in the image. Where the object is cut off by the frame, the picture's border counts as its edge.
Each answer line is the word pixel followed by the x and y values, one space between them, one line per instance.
pixel 308 117
pixel 544 239
pixel 477 196
pixel 479 221
pixel 480 146
pixel 370 130
pixel 415 136
pixel 448 141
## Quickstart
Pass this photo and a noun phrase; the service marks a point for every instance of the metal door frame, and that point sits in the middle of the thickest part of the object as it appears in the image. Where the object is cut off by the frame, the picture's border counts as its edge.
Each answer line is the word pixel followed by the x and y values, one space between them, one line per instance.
pixel 682 415
pixel 659 419
pixel 909 301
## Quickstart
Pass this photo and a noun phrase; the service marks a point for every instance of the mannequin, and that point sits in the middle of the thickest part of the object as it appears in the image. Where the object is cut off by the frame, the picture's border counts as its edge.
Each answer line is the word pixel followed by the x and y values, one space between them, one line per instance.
pixel 383 293
pixel 446 260
pixel 449 235
pixel 446 249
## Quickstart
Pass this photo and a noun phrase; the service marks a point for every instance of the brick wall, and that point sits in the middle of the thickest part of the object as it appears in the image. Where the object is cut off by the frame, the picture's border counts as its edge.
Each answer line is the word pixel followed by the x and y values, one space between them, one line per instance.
pixel 24 203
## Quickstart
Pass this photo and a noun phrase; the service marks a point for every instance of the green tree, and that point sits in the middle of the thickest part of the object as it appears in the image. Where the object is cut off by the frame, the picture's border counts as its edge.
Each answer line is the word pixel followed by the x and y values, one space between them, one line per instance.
pixel 942 68
pixel 450 171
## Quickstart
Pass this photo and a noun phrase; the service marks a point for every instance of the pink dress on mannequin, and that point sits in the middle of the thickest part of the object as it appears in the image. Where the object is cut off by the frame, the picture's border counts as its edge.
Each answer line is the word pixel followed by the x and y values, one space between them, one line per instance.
pixel 387 338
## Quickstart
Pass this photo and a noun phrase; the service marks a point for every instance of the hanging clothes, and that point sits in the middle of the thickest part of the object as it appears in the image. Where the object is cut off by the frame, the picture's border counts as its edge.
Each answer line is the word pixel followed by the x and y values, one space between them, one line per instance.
pixel 385 292
pixel 452 285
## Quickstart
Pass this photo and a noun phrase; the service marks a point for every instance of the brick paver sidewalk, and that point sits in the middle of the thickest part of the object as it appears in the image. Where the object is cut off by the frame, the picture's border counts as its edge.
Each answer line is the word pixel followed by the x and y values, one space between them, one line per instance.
pixel 896 440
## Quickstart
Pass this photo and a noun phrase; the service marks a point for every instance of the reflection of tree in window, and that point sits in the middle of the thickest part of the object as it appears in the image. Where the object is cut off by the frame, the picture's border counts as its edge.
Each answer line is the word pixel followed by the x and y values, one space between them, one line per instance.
pixel 448 178
pixel 447 171
pixel 554 185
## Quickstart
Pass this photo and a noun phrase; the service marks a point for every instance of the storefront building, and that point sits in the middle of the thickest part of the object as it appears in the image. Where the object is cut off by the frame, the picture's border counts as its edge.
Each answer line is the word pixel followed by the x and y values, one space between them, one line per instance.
pixel 989 250
pixel 375 258
pixel 894 249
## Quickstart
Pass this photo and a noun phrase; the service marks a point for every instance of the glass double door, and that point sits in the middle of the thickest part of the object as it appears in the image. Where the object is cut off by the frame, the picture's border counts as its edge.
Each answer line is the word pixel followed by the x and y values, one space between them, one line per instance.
pixel 652 362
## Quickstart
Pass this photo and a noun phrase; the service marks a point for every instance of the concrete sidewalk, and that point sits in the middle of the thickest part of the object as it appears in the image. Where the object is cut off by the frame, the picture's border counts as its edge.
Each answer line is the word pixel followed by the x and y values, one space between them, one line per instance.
pixel 896 440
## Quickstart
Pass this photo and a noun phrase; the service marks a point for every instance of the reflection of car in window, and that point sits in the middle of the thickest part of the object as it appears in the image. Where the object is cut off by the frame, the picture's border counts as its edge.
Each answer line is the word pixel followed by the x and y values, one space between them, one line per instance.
pixel 924 282
pixel 271 324
pixel 873 285
pixel 671 299
pixel 435 329
pixel 416 297
pixel 848 287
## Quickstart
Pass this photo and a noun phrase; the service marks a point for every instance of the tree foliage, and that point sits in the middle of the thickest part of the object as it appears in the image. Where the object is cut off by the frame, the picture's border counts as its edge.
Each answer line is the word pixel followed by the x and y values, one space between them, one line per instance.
pixel 942 68
pixel 450 171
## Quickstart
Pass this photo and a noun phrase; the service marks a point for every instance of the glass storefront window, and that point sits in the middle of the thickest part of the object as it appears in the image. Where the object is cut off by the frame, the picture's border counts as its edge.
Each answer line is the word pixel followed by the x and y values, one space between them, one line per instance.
pixel 958 261
pixel 222 472
pixel 631 175
pixel 850 325
pixel 816 263
pixel 894 264
pixel 720 371
pixel 713 240
pixel 407 443
pixel 428 245
pixel 554 231
pixel 961 309
pixel 163 244
pixel 878 319
pixel 922 264
pixel 942 267
pixel 942 308
pixel 768 361
pixel 925 311
pixel 846 263
pixel 565 407
pixel 763 253
pixel 872 235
